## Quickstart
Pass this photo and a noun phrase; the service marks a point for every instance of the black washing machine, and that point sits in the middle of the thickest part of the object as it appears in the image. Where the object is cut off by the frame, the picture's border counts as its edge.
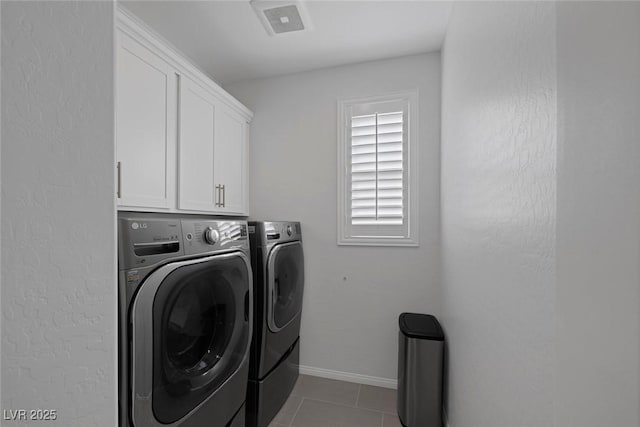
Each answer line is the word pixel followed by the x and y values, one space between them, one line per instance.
pixel 278 267
pixel 185 321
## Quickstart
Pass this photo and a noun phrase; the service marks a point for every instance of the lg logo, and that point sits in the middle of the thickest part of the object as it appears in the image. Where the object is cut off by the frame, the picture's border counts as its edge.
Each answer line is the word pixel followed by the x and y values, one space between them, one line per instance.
pixel 135 225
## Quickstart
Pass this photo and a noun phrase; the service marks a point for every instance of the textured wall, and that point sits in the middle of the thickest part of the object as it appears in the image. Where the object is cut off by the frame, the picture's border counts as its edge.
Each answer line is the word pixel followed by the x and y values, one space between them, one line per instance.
pixel 498 213
pixel 353 294
pixel 598 253
pixel 58 221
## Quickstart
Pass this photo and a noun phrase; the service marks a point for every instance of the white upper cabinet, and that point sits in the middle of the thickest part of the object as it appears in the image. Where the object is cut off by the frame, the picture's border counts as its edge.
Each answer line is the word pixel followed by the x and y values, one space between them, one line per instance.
pixel 230 161
pixel 212 153
pixel 145 126
pixel 196 189
pixel 182 141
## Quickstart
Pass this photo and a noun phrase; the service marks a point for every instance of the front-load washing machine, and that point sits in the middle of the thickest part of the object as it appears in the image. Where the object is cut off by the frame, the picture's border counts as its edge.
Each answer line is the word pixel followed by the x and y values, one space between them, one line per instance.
pixel 185 321
pixel 278 267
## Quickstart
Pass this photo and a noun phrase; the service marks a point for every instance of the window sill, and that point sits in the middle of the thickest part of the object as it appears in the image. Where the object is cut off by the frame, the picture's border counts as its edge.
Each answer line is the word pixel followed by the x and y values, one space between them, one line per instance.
pixel 378 241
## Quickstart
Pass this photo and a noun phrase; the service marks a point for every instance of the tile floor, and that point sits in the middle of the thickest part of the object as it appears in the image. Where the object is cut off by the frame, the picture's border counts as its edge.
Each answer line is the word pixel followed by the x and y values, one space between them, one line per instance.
pixel 320 402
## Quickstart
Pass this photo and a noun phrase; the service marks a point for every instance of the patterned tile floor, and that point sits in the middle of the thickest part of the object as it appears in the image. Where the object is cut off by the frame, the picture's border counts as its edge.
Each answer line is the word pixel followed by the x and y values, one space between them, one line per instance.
pixel 320 402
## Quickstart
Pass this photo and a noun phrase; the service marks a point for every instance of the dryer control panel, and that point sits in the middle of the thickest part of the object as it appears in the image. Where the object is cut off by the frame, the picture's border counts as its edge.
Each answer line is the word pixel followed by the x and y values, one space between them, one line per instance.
pixel 270 232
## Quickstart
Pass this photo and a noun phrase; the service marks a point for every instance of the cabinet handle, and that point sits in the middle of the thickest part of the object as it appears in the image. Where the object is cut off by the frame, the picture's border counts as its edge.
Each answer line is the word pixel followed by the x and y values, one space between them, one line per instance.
pixel 217 197
pixel 119 192
pixel 224 197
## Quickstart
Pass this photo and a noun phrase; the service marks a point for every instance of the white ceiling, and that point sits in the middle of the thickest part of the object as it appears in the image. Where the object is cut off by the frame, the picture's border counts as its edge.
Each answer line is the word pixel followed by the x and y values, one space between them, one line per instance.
pixel 227 41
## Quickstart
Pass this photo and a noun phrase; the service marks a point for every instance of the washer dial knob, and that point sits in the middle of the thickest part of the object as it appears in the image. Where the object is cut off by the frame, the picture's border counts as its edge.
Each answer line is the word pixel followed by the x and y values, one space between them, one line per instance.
pixel 289 230
pixel 211 236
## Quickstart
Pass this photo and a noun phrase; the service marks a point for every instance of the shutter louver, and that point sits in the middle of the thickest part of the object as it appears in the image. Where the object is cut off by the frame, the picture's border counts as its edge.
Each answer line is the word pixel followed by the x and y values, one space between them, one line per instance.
pixel 377 169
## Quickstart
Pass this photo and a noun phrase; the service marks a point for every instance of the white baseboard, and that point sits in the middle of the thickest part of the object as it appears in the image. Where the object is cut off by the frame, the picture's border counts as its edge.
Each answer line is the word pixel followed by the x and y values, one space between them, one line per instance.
pixel 349 377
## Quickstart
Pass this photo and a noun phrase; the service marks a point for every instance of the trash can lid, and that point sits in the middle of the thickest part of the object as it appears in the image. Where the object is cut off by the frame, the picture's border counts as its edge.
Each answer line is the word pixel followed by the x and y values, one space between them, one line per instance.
pixel 421 326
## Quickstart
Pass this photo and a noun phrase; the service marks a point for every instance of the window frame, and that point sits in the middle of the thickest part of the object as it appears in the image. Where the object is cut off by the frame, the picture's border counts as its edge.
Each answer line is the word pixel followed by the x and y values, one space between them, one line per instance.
pixel 347 234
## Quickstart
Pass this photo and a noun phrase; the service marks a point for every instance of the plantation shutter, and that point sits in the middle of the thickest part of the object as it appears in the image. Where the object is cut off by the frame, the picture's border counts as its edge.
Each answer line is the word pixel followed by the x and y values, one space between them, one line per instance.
pixel 377 168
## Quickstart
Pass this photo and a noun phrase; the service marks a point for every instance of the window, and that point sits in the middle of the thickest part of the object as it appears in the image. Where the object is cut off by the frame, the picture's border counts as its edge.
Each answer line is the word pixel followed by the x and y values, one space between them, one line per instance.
pixel 377 170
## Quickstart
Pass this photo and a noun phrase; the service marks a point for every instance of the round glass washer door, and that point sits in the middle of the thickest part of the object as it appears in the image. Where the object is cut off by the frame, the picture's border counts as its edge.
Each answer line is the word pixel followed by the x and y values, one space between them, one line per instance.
pixel 200 327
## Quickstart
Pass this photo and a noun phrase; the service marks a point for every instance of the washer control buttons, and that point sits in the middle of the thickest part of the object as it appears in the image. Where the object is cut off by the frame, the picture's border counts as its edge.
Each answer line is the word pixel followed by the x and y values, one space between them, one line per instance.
pixel 211 236
pixel 289 230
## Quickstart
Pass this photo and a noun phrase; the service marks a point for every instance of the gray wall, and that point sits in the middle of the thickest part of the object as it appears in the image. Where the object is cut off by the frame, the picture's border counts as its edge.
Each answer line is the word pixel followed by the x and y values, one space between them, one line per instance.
pixel 498 213
pixel 598 222
pixel 58 222
pixel 353 295
pixel 541 285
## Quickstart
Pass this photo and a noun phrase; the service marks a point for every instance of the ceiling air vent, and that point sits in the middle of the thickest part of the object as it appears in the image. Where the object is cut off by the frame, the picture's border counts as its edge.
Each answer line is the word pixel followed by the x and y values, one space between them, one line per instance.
pixel 279 17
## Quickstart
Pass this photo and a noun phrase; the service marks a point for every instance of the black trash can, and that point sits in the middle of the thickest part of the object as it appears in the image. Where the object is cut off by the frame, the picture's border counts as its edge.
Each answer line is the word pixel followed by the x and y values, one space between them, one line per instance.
pixel 420 367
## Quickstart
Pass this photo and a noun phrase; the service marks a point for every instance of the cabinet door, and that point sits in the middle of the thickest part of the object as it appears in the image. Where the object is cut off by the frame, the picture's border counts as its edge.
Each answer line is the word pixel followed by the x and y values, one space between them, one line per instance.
pixel 230 170
pixel 145 127
pixel 196 190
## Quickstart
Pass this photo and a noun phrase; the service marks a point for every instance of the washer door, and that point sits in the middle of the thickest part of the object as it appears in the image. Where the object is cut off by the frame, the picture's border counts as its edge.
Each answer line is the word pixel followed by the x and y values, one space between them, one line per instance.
pixel 285 272
pixel 191 326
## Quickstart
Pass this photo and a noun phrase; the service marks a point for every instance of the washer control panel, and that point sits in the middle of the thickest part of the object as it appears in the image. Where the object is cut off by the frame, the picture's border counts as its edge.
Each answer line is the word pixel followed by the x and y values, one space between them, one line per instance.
pixel 210 235
pixel 147 241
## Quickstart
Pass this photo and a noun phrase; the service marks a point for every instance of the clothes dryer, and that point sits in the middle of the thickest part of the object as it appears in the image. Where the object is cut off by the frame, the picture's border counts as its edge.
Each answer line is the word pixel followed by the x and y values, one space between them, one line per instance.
pixel 278 266
pixel 185 321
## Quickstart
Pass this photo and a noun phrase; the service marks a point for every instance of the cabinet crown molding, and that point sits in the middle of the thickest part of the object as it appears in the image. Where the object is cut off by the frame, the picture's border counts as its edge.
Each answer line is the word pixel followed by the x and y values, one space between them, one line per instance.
pixel 130 24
